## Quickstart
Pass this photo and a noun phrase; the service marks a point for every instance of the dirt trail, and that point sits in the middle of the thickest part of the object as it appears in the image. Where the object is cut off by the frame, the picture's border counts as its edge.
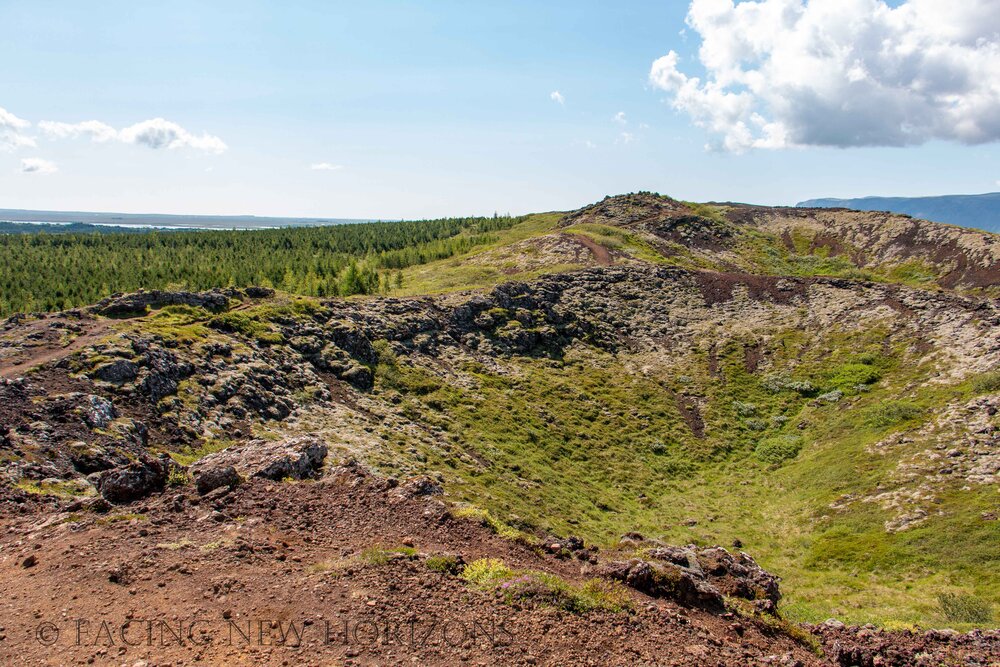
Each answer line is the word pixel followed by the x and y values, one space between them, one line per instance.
pixel 51 346
pixel 600 253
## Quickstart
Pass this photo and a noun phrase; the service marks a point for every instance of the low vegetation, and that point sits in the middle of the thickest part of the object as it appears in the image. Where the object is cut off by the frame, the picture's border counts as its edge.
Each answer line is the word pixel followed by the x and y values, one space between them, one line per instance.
pixel 533 587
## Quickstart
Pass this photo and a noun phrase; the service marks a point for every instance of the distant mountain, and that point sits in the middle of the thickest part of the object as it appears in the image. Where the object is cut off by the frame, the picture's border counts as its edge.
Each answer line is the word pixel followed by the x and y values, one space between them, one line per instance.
pixel 980 211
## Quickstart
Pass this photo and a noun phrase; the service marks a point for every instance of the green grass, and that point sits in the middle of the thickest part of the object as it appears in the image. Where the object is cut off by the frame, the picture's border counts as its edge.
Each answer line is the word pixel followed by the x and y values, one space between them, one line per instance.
pixel 380 555
pixel 543 588
pixel 964 608
pixel 496 525
pixel 62 489
pixel 192 455
pixel 987 383
pixel 457 273
pixel 582 445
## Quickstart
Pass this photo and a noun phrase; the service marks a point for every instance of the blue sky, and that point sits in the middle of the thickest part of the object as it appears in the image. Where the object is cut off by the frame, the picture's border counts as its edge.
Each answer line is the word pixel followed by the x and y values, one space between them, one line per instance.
pixel 417 109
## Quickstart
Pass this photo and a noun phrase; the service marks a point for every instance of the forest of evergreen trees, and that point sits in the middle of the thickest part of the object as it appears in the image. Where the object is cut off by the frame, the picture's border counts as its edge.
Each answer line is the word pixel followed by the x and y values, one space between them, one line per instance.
pixel 45 271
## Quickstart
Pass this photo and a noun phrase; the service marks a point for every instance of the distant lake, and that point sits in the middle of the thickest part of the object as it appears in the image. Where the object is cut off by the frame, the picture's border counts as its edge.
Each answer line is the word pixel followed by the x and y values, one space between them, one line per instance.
pixel 143 221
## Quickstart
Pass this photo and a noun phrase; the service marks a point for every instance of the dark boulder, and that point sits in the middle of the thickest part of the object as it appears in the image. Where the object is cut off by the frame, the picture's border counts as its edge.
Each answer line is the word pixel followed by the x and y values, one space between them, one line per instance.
pixel 210 479
pixel 134 481
pixel 116 372
pixel 661 580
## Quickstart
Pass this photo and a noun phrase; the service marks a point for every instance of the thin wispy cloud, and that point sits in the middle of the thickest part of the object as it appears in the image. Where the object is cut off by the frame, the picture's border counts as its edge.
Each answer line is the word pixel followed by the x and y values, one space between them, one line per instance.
pixel 325 166
pixel 620 118
pixel 36 165
pixel 557 97
pixel 94 130
pixel 785 73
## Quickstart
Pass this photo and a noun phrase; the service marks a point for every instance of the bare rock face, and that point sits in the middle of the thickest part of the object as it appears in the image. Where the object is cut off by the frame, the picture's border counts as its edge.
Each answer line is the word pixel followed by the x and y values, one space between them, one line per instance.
pixel 297 458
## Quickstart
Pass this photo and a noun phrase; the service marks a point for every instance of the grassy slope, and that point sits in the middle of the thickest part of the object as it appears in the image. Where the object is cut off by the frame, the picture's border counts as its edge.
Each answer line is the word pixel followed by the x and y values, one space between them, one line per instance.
pixel 754 252
pixel 584 446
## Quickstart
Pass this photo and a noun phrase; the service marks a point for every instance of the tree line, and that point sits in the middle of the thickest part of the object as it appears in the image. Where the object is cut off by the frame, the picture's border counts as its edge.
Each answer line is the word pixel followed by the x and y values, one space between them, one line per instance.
pixel 46 271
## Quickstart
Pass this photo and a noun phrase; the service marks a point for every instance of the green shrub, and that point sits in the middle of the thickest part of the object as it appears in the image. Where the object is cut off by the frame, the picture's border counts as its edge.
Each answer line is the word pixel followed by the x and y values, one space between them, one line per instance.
pixel 486 573
pixel 849 376
pixel 778 449
pixel 779 383
pixel 604 594
pixel 963 608
pixel 178 476
pixel 552 590
pixel 444 563
pixel 986 383
pixel 502 529
pixel 890 413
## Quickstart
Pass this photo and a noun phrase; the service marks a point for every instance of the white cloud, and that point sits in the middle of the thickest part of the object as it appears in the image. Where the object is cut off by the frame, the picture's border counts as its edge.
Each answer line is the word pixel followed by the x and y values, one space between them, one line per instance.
pixel 556 96
pixel 784 73
pixel 325 166
pixel 626 138
pixel 620 118
pixel 155 133
pixel 94 129
pixel 12 131
pixel 160 133
pixel 36 165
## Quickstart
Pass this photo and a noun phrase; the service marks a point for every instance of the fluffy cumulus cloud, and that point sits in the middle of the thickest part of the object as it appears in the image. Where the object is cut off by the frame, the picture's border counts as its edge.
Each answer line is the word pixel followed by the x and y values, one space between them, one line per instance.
pixel 783 73
pixel 157 133
pixel 160 133
pixel 557 97
pixel 36 165
pixel 12 131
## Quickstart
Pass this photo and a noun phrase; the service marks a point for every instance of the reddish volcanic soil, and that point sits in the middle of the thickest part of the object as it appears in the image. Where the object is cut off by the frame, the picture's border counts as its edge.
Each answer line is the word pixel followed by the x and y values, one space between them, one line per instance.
pixel 270 574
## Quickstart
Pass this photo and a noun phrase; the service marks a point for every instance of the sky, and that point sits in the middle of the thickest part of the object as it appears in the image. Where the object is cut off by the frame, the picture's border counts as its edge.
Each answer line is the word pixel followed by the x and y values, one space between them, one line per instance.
pixel 393 110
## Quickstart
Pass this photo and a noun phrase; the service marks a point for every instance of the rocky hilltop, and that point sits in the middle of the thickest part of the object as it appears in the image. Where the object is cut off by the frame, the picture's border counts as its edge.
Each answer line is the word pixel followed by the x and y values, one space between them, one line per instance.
pixel 584 451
